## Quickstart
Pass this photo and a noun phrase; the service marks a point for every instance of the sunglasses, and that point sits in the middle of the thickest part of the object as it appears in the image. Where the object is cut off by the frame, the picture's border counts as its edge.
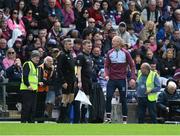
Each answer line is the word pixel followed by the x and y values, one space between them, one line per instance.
pixel 92 22
pixel 30 13
pixel 11 52
pixel 15 12
pixel 55 51
pixel 119 4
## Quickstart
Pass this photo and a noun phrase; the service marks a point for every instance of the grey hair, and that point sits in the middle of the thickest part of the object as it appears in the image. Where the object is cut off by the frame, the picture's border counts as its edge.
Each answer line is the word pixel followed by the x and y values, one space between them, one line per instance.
pixel 152 2
pixel 172 84
pixel 177 11
pixel 147 65
pixel 47 58
pixel 67 40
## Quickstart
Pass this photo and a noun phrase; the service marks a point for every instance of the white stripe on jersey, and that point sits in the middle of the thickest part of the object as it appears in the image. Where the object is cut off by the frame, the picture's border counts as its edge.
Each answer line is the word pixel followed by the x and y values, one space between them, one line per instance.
pixel 117 57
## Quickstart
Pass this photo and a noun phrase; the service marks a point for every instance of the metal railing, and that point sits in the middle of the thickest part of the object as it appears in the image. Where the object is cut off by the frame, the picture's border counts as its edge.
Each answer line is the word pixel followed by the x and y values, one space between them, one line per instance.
pixel 4 110
pixel 4 90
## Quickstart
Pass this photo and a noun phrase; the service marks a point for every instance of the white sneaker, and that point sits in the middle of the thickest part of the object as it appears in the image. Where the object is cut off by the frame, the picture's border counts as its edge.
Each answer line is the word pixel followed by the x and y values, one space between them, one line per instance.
pixel 108 120
pixel 19 106
pixel 124 122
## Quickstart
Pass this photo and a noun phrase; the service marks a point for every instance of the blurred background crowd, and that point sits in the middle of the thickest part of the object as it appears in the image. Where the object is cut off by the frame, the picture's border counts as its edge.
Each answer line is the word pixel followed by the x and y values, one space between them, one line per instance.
pixel 150 30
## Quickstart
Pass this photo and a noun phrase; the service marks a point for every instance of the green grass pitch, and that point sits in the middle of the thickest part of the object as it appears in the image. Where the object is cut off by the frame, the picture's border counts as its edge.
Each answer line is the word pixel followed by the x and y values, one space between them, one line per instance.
pixel 89 129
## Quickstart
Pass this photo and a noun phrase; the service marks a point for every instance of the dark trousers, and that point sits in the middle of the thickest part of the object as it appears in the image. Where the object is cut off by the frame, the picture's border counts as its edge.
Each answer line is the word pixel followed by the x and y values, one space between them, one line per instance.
pixel 111 86
pixel 40 106
pixel 76 111
pixel 79 112
pixel 86 85
pixel 143 104
pixel 28 112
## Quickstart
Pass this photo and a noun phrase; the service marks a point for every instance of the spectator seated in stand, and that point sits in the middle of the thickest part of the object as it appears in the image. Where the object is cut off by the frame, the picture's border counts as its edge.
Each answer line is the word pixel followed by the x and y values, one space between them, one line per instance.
pixel 169 101
pixel 14 72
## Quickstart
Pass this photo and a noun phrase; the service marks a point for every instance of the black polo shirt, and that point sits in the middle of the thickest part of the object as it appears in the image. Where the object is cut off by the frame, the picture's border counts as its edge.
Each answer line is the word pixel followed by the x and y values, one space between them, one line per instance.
pixel 66 67
pixel 85 61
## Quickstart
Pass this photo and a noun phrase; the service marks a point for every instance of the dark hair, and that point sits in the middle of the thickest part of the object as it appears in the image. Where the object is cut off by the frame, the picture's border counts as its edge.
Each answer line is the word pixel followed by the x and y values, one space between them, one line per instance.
pixel 97 32
pixel 112 30
pixel 86 32
pixel 134 16
pixel 77 41
pixel 146 41
pixel 1 22
pixel 150 37
pixel 138 40
pixel 27 10
pixel 11 14
pixel 109 8
pixel 96 1
pixel 24 9
pixel 83 11
pixel 130 27
pixel 117 3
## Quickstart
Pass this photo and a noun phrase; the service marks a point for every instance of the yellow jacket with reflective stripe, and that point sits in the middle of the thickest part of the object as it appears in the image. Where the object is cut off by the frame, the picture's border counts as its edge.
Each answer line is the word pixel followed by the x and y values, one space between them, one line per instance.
pixel 149 84
pixel 32 77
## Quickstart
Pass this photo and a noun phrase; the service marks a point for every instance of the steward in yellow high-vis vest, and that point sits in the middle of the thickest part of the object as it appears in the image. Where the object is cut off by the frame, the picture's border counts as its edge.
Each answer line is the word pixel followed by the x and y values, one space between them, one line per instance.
pixel 32 77
pixel 148 84
pixel 28 87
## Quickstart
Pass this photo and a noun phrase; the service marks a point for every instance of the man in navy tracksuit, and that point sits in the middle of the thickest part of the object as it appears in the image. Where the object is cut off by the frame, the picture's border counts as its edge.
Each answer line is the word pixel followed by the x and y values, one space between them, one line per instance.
pixel 117 62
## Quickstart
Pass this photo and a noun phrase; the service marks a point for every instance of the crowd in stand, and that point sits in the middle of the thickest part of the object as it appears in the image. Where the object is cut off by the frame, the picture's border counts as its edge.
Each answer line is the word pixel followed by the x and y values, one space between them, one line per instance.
pixel 150 30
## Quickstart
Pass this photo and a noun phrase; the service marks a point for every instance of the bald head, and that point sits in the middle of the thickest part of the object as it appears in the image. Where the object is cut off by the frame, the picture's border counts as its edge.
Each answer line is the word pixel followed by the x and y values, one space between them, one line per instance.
pixel 145 68
pixel 48 61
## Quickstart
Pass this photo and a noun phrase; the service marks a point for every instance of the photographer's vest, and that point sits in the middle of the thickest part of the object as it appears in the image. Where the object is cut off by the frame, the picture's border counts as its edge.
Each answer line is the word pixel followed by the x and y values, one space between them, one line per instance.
pixel 149 84
pixel 32 77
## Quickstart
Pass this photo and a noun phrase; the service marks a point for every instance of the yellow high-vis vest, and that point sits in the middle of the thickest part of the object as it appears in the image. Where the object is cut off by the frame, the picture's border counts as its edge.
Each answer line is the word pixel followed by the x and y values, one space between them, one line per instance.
pixel 32 77
pixel 149 84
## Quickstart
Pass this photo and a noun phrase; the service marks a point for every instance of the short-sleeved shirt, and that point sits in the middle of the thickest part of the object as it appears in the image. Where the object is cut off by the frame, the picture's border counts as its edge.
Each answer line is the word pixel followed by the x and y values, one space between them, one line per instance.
pixel 66 67
pixel 85 61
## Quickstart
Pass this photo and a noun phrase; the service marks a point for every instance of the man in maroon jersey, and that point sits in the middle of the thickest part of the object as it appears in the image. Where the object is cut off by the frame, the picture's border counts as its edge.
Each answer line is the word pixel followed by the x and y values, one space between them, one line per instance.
pixel 117 62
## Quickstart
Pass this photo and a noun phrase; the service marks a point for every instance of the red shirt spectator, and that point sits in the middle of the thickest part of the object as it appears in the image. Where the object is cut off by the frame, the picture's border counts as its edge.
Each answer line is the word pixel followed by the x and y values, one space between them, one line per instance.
pixel 95 13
